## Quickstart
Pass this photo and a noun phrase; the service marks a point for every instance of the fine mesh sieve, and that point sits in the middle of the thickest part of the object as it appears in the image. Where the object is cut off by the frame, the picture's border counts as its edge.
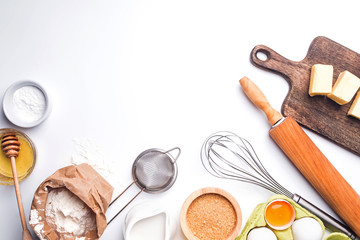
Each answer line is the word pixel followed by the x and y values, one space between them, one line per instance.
pixel 153 171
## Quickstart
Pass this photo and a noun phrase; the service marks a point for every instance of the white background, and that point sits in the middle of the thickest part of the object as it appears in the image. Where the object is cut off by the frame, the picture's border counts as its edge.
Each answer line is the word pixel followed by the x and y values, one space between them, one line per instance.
pixel 132 75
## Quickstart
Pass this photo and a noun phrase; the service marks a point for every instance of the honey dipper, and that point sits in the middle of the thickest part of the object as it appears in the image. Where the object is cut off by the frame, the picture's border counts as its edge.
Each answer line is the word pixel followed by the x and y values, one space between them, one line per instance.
pixel 11 146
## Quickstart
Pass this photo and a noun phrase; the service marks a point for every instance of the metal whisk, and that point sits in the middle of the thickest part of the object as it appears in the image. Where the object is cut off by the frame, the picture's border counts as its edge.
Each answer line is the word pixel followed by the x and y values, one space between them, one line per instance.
pixel 226 155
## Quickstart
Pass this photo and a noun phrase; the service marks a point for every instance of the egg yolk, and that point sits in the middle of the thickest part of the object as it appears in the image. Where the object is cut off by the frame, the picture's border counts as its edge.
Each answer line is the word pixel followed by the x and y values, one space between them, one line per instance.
pixel 279 213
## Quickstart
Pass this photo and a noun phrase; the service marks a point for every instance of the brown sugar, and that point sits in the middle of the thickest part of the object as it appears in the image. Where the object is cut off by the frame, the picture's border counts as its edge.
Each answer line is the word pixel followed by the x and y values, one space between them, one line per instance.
pixel 211 217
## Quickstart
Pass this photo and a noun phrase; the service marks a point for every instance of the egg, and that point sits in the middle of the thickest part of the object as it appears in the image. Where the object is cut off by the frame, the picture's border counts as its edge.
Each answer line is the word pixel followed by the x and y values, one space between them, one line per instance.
pixel 279 214
pixel 307 228
pixel 261 233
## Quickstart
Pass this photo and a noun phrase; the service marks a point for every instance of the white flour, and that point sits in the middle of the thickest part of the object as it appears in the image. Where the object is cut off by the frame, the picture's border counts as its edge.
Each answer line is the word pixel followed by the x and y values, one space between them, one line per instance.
pixel 29 103
pixel 68 214
pixel 35 220
pixel 88 152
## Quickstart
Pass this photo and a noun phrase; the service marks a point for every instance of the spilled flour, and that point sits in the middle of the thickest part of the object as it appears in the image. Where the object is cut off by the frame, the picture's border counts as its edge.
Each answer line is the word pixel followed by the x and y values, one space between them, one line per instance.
pixel 66 213
pixel 90 153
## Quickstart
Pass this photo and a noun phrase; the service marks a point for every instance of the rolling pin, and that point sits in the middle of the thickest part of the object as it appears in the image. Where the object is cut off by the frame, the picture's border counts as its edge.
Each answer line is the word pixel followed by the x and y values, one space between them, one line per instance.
pixel 309 160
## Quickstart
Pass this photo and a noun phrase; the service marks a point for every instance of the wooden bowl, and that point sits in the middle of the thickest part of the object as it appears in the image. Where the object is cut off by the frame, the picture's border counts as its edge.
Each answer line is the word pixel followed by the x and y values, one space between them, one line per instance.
pixel 212 193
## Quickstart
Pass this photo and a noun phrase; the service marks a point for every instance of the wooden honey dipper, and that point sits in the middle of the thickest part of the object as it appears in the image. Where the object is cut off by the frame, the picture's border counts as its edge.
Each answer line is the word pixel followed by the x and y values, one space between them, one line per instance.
pixel 11 146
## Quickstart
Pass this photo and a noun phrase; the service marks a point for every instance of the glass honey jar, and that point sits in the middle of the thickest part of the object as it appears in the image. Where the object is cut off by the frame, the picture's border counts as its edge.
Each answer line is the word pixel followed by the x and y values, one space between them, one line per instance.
pixel 25 162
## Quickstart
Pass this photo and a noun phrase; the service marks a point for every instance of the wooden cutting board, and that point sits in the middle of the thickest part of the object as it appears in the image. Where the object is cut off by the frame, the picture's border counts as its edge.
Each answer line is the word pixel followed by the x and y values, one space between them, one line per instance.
pixel 317 113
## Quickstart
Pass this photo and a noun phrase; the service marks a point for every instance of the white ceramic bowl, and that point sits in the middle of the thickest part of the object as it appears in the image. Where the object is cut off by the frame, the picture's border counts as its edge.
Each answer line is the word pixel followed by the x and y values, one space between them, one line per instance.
pixel 9 106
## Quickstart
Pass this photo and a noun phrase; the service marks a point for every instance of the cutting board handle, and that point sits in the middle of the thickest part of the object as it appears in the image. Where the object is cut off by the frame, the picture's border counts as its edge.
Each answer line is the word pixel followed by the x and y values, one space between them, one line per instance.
pixel 274 62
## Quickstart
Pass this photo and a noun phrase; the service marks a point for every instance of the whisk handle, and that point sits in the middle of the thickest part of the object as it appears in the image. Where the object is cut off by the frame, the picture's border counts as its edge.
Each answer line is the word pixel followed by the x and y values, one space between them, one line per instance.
pixel 258 98
pixel 329 221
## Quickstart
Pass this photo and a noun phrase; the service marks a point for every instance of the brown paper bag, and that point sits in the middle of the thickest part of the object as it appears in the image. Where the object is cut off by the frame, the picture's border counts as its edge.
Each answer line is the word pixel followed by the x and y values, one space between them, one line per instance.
pixel 83 181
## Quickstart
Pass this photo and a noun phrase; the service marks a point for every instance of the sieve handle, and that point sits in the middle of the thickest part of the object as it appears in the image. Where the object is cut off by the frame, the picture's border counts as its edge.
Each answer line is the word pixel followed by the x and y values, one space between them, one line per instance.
pixel 121 193
pixel 125 204
pixel 173 149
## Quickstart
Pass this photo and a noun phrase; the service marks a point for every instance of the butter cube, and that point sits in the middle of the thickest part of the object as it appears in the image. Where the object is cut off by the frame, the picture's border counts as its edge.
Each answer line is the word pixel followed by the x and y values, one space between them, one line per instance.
pixel 355 107
pixel 345 88
pixel 321 79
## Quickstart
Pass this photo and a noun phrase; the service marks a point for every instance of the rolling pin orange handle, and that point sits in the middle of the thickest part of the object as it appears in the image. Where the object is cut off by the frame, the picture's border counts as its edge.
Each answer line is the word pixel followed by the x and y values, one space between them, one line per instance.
pixel 318 170
pixel 258 98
